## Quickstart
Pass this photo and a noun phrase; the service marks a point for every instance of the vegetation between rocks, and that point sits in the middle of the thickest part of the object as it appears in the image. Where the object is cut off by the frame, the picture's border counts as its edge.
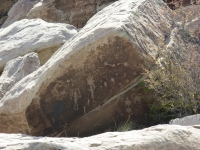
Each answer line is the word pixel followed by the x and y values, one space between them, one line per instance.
pixel 175 79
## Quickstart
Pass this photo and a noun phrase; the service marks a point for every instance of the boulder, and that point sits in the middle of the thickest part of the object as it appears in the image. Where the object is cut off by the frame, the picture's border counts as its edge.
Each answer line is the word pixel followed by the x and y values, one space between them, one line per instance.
pixel 19 11
pixel 87 83
pixel 161 137
pixel 33 35
pixel 4 8
pixel 72 12
pixel 17 69
pixel 187 121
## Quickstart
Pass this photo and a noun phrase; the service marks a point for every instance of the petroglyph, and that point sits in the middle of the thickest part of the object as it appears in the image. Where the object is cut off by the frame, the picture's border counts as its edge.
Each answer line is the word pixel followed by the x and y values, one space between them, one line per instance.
pixel 90 82
pixel 101 56
pixel 120 112
pixel 137 99
pixel 97 79
pixel 128 102
pixel 128 110
pixel 125 64
pixel 75 94
pixel 112 80
pixel 59 90
pixel 105 84
pixel 88 102
pixel 106 64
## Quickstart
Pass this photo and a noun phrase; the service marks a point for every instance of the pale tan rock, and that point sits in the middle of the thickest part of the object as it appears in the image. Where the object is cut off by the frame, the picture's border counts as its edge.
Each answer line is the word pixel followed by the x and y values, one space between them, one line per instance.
pixel 187 121
pixel 19 11
pixel 72 12
pixel 33 35
pixel 5 6
pixel 82 88
pixel 17 69
pixel 161 137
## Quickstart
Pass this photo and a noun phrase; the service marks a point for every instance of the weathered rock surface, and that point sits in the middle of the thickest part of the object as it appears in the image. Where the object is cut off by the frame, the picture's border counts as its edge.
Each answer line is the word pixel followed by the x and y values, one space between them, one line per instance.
pixel 187 121
pixel 189 17
pixel 17 69
pixel 34 35
pixel 161 137
pixel 72 12
pixel 178 4
pixel 86 84
pixel 19 11
pixel 4 8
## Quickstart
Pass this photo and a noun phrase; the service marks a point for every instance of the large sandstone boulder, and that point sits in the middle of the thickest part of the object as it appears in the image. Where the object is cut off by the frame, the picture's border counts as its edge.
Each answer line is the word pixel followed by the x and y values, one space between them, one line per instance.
pixel 162 137
pixel 72 12
pixel 88 82
pixel 4 8
pixel 17 69
pixel 34 35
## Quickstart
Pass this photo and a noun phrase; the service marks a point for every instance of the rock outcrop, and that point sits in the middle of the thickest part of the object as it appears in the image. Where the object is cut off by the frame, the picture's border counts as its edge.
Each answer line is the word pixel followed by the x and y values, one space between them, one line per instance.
pixel 17 69
pixel 162 137
pixel 4 8
pixel 88 82
pixel 33 35
pixel 72 12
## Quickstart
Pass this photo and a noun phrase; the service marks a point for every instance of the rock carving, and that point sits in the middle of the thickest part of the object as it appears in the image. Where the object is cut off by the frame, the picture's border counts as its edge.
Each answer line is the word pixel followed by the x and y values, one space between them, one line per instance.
pixel 106 64
pixel 59 90
pixel 125 64
pixel 90 82
pixel 75 94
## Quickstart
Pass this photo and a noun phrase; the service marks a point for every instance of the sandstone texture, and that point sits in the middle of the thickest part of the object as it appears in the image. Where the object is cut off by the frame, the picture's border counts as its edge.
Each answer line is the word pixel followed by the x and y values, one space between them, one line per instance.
pixel 178 4
pixel 189 18
pixel 17 69
pixel 90 82
pixel 72 12
pixel 33 35
pixel 4 8
pixel 19 11
pixel 161 137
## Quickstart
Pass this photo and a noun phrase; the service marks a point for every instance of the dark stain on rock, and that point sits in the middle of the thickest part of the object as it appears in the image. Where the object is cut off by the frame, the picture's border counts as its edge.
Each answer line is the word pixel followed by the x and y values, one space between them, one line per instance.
pixel 105 72
pixel 130 106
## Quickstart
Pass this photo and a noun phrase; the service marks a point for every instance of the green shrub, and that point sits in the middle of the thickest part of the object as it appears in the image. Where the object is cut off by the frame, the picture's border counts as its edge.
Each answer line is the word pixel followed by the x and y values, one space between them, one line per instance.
pixel 127 126
pixel 175 82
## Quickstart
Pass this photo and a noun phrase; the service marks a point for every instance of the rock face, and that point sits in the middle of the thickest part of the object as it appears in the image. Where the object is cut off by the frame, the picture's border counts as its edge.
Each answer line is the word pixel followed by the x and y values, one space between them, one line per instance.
pixel 34 35
pixel 17 69
pixel 94 70
pixel 72 12
pixel 192 19
pixel 165 137
pixel 4 8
